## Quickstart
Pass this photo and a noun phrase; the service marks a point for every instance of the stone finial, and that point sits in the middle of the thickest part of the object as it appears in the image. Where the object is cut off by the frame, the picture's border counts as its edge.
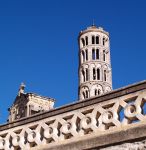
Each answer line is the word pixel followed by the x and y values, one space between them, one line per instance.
pixel 21 89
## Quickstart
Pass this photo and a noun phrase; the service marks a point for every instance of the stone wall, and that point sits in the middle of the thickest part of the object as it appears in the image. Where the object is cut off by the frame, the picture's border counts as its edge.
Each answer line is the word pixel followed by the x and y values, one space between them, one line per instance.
pixel 140 145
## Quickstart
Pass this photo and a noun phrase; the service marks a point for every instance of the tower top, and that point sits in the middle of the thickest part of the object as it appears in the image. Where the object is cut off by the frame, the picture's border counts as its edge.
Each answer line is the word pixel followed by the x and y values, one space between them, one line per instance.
pixel 93 28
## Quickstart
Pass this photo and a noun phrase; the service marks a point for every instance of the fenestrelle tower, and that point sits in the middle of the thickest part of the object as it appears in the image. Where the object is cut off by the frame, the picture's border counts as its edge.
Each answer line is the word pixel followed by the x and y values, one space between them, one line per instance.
pixel 95 75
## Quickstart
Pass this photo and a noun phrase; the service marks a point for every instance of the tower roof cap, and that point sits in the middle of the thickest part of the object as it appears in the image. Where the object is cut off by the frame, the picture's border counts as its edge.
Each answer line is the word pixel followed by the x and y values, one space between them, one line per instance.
pixel 93 28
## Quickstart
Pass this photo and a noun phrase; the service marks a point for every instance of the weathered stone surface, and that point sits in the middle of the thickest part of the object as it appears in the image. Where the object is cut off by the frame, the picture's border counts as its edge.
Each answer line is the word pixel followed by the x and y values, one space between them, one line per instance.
pixel 127 146
pixel 94 123
pixel 27 104
pixel 115 140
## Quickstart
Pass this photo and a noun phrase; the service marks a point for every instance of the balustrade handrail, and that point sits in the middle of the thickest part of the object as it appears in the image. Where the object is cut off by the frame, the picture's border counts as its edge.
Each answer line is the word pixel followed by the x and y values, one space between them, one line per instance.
pixel 114 110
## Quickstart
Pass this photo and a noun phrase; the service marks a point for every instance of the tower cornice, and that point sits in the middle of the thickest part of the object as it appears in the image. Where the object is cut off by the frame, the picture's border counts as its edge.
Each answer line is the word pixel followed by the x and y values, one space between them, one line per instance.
pixel 93 29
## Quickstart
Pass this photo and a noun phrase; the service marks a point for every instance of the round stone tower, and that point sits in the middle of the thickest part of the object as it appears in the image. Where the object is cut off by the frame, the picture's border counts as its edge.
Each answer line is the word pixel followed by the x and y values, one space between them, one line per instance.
pixel 95 76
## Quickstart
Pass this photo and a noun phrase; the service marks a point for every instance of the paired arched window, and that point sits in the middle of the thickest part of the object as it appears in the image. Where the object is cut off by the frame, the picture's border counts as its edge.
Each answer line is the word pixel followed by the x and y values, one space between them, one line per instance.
pixel 97 92
pixel 84 41
pixel 85 75
pixel 85 94
pixel 84 55
pixel 96 74
pixel 95 39
pixel 95 54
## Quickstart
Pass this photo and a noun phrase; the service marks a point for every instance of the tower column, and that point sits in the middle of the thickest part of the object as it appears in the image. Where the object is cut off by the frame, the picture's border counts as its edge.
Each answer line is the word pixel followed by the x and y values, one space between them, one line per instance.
pixel 95 68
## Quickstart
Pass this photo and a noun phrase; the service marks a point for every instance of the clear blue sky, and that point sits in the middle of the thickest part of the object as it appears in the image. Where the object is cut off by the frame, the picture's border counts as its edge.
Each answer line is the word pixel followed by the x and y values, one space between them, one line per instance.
pixel 38 45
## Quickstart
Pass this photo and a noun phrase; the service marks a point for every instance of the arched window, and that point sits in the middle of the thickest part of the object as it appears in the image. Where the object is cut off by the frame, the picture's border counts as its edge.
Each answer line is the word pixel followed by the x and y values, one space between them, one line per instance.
pixel 95 92
pixel 93 39
pixel 83 42
pixel 83 56
pixel 86 74
pixel 94 74
pixel 103 41
pixel 87 94
pixel 104 56
pixel 99 91
pixel 83 74
pixel 97 39
pixel 93 54
pixel 97 53
pixel 98 74
pixel 86 40
pixel 86 54
pixel 104 75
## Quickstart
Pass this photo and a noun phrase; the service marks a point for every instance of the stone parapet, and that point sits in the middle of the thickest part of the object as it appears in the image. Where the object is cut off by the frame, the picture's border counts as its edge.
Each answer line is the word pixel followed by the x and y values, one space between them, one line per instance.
pixel 96 123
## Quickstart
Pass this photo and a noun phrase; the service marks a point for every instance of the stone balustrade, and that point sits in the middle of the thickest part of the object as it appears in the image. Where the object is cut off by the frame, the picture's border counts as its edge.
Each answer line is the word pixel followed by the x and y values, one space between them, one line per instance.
pixel 115 111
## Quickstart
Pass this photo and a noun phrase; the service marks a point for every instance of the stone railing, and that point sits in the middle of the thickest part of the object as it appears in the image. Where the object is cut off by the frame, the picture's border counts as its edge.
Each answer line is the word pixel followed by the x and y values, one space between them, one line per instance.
pixel 115 111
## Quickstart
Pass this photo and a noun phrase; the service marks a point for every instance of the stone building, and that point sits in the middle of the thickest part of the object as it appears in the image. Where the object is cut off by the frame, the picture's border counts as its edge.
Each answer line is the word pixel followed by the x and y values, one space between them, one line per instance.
pixel 27 104
pixel 102 119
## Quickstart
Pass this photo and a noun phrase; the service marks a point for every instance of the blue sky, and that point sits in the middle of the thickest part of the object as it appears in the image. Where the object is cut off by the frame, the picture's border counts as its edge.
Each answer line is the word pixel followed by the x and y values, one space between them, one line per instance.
pixel 38 45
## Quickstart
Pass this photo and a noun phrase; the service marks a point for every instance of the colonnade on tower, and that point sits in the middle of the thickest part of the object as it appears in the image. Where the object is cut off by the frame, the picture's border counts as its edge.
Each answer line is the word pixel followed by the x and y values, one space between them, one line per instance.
pixel 95 75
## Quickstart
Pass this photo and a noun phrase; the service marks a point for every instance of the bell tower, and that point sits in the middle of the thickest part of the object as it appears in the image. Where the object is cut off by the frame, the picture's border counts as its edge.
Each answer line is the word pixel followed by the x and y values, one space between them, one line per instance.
pixel 95 75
